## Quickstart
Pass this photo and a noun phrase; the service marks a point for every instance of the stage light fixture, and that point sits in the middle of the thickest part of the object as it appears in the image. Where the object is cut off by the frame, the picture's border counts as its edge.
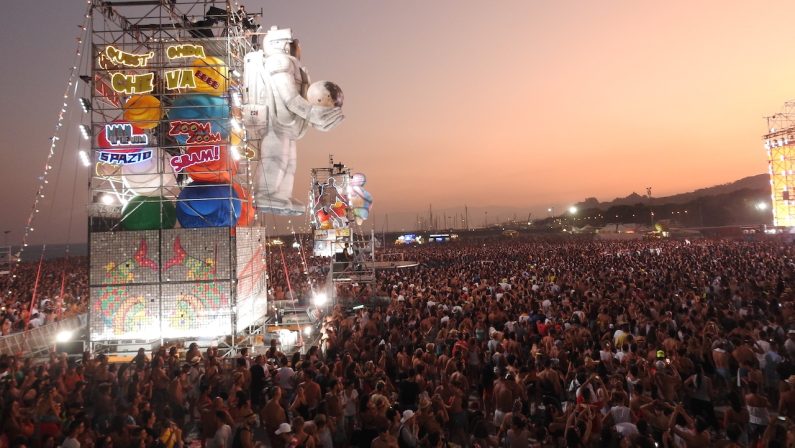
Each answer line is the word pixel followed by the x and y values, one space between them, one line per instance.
pixel 64 336
pixel 320 299
pixel 85 103
pixel 86 131
pixel 84 158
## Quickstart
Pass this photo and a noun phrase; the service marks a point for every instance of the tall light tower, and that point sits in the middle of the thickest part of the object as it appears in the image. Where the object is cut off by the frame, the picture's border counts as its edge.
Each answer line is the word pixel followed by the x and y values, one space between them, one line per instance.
pixel 779 142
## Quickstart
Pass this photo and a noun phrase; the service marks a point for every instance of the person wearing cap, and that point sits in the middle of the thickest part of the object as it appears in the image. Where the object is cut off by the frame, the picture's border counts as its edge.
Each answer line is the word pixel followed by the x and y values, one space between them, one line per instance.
pixel 283 436
pixel 408 434
pixel 427 418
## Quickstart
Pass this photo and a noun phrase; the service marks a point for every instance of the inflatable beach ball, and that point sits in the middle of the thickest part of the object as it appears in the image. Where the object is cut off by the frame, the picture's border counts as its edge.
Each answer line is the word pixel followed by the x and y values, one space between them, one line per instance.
pixel 247 212
pixel 143 110
pixel 145 178
pixel 208 205
pixel 211 75
pixel 148 213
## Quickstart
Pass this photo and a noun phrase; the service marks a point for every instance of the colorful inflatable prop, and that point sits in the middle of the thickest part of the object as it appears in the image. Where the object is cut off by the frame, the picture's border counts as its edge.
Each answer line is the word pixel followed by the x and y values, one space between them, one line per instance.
pixel 201 109
pixel 144 179
pixel 208 205
pixel 148 213
pixel 276 107
pixel 143 111
pixel 361 199
pixel 211 75
pixel 216 165
pixel 247 212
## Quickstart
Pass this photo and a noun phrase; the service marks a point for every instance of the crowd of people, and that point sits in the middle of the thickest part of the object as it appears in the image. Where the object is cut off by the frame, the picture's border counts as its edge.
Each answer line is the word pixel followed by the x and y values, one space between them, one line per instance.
pixel 61 290
pixel 512 344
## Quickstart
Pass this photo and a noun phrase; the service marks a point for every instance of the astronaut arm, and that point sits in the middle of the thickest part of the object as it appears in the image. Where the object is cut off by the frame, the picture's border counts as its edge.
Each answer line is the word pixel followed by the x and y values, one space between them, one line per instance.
pixel 322 118
pixel 282 78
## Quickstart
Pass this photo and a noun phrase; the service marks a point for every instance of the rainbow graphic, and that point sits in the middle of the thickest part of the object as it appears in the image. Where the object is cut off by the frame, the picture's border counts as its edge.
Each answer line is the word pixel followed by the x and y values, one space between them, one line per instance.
pixel 119 309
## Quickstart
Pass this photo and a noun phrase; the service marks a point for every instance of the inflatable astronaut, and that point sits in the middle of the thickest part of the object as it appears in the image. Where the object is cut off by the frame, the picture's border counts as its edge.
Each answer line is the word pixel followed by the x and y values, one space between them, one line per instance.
pixel 276 112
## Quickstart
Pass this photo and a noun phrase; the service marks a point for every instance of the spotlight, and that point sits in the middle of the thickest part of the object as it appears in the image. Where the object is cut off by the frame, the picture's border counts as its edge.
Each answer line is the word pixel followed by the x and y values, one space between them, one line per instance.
pixel 236 73
pixel 320 299
pixel 573 210
pixel 84 158
pixel 86 104
pixel 235 153
pixel 64 336
pixel 86 131
pixel 308 330
pixel 761 206
pixel 107 199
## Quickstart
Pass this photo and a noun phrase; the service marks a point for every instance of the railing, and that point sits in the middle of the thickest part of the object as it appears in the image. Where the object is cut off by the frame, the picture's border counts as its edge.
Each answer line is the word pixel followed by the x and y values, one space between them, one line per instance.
pixel 39 339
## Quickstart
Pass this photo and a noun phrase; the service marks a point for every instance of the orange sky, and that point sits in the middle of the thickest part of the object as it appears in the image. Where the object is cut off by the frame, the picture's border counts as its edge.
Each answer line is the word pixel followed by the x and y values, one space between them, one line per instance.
pixel 518 103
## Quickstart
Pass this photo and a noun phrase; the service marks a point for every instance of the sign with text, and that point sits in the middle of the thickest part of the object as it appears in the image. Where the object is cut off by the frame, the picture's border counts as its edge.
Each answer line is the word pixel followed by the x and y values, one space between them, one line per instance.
pixel 197 133
pixel 195 156
pixel 125 158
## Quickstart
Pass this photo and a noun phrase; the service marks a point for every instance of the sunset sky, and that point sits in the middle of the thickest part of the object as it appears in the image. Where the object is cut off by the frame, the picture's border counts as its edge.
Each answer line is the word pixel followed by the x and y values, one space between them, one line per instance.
pixel 525 104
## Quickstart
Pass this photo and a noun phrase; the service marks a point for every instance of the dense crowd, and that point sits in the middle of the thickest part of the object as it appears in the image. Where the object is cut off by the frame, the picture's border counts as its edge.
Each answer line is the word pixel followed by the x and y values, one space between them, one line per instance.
pixel 67 275
pixel 511 344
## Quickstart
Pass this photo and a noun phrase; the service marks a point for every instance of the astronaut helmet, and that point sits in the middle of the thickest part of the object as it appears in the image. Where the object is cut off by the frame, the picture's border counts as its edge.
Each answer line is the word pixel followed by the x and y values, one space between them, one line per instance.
pixel 278 40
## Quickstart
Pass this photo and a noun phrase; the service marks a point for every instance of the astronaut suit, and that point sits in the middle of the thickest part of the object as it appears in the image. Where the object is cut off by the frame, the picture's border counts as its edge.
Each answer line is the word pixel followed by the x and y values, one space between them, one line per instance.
pixel 277 113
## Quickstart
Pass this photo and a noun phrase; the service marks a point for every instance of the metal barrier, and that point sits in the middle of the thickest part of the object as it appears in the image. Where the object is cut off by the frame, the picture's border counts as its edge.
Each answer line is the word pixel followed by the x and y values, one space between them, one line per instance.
pixel 39 339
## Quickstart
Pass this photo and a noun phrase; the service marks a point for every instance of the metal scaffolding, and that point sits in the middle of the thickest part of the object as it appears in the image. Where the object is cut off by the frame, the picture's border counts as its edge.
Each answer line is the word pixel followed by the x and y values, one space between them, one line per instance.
pixel 780 146
pixel 165 129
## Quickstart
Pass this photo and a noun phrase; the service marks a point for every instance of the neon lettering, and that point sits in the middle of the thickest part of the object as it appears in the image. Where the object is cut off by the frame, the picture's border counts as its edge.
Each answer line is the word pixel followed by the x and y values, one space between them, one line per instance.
pixel 130 84
pixel 121 134
pixel 195 156
pixel 207 80
pixel 198 133
pixel 122 158
pixel 180 79
pixel 185 51
pixel 117 56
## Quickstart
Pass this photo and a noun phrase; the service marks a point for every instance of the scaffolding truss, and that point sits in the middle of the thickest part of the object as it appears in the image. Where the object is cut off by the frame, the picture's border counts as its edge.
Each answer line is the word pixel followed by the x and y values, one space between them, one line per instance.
pixel 780 146
pixel 175 246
